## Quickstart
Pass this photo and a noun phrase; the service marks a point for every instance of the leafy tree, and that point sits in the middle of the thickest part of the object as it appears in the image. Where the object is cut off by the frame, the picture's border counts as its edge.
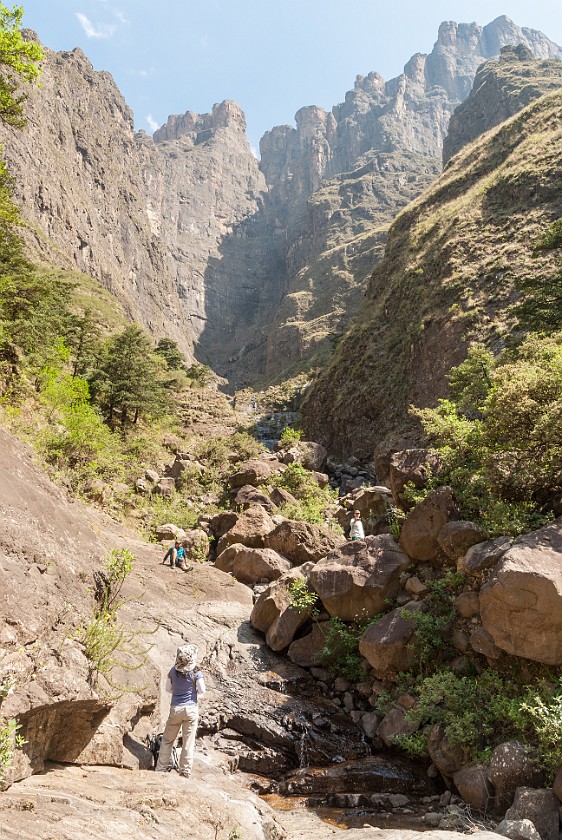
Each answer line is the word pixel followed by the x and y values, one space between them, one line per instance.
pixel 127 379
pixel 18 63
pixel 170 352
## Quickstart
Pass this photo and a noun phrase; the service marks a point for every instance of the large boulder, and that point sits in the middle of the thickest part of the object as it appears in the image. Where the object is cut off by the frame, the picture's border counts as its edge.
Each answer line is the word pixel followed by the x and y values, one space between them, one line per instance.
pixel 518 830
pixel 274 613
pixel 306 651
pixel 222 522
pixel 474 786
pixel 302 542
pixel 455 538
pixel 483 555
pixel 387 644
pixel 279 497
pixel 251 565
pixel 196 543
pixel 411 465
pixel 540 806
pixel 249 495
pixel 447 757
pixel 420 531
pixel 521 604
pixel 370 501
pixel 250 529
pixel 354 580
pixel 394 724
pixel 254 472
pixel 311 455
pixel 511 766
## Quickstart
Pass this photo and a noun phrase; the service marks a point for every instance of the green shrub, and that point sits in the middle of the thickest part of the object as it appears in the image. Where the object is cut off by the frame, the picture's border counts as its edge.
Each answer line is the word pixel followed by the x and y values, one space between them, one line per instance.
pixel 303 598
pixel 313 500
pixel 290 435
pixel 432 628
pixel 10 741
pixel 498 436
pixel 340 655
pixel 480 712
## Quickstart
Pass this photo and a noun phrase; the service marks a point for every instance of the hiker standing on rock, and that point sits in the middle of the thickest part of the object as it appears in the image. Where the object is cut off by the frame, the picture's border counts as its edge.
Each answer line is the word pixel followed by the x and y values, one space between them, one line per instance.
pixel 356 530
pixel 186 684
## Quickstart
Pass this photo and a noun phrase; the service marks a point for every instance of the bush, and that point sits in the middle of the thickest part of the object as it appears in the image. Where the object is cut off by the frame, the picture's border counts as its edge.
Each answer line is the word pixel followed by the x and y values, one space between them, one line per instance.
pixel 480 712
pixel 10 741
pixel 432 628
pixel 499 435
pixel 313 500
pixel 290 435
pixel 341 654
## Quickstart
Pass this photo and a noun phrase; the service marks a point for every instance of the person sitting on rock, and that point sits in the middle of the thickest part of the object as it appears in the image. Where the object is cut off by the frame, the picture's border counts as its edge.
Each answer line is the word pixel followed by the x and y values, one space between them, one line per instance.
pixel 181 558
pixel 172 554
pixel 186 685
pixel 356 530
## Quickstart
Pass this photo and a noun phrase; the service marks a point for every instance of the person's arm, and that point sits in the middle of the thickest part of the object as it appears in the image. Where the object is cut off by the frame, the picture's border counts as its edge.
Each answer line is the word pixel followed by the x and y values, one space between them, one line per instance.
pixel 169 688
pixel 200 685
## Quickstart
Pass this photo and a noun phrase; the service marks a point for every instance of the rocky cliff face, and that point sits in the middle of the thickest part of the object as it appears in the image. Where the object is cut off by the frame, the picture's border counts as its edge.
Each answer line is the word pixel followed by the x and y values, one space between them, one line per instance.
pixel 502 87
pixel 255 265
pixel 449 275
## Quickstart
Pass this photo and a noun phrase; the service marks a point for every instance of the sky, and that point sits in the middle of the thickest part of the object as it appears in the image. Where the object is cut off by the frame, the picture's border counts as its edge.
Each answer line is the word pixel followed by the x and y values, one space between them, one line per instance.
pixel 271 56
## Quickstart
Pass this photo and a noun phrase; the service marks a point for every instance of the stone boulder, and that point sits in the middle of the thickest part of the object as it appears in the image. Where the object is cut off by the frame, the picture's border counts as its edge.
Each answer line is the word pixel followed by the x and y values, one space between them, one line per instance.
pixel 306 651
pixel 370 501
pixel 251 565
pixel 196 543
pixel 539 806
pixel 521 604
pixel 302 542
pixel 483 556
pixel 447 757
pixel 249 495
pixel 482 642
pixel 354 580
pixel 169 531
pixel 254 472
pixel 518 830
pixel 387 644
pixel 222 522
pixel 165 487
pixel 394 724
pixel 421 527
pixel 250 529
pixel 411 465
pixel 474 786
pixel 279 496
pixel 455 538
pixel 274 613
pixel 311 455
pixel 511 767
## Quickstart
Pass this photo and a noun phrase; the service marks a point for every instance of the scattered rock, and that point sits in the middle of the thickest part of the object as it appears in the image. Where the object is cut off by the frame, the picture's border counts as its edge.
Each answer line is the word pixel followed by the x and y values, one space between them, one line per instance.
pixel 511 767
pixel 483 555
pixel 421 527
pixel 518 830
pixel 386 645
pixel 249 495
pixel 252 472
pixel 411 465
pixel 302 542
pixel 474 786
pixel 273 612
pixel 540 807
pixel 306 650
pixel 455 538
pixel 250 529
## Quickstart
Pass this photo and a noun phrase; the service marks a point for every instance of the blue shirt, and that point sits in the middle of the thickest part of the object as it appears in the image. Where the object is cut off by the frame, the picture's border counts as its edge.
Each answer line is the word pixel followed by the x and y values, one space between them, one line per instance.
pixel 184 689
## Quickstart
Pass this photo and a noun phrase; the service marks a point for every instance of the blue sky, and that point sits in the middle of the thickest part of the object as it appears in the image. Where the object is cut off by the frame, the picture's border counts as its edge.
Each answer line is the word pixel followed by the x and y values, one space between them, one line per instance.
pixel 270 56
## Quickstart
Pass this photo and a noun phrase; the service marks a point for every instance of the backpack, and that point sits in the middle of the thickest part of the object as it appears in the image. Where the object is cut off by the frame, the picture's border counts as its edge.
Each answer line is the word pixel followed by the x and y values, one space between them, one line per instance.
pixel 154 742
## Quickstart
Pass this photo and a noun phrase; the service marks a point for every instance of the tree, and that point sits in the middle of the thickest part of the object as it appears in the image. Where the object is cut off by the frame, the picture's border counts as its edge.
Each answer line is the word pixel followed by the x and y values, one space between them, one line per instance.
pixel 170 352
pixel 18 63
pixel 127 378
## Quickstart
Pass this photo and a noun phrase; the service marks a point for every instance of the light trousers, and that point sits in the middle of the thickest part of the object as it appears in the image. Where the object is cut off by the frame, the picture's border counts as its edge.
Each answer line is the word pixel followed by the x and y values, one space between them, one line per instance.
pixel 184 718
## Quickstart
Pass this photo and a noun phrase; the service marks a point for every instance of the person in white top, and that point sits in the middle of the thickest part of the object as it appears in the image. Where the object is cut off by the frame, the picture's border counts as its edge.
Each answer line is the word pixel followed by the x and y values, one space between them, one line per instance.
pixel 186 685
pixel 356 530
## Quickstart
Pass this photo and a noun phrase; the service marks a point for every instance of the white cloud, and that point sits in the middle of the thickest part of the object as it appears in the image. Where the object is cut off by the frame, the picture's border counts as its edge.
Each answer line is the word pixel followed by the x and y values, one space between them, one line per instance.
pixel 103 31
pixel 120 16
pixel 153 125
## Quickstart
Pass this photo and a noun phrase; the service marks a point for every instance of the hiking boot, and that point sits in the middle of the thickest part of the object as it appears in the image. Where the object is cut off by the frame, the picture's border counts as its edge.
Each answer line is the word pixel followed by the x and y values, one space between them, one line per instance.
pixel 185 774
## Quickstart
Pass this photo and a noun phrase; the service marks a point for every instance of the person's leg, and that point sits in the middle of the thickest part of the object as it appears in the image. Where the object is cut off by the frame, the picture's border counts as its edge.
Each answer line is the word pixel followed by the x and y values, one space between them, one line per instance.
pixel 168 739
pixel 189 731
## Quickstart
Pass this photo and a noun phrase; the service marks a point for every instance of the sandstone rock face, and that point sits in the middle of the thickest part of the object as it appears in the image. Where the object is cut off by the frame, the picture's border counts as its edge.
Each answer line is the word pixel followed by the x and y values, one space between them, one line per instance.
pixel 354 580
pixel 266 277
pixel 502 87
pixel 421 528
pixel 302 542
pixel 521 603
